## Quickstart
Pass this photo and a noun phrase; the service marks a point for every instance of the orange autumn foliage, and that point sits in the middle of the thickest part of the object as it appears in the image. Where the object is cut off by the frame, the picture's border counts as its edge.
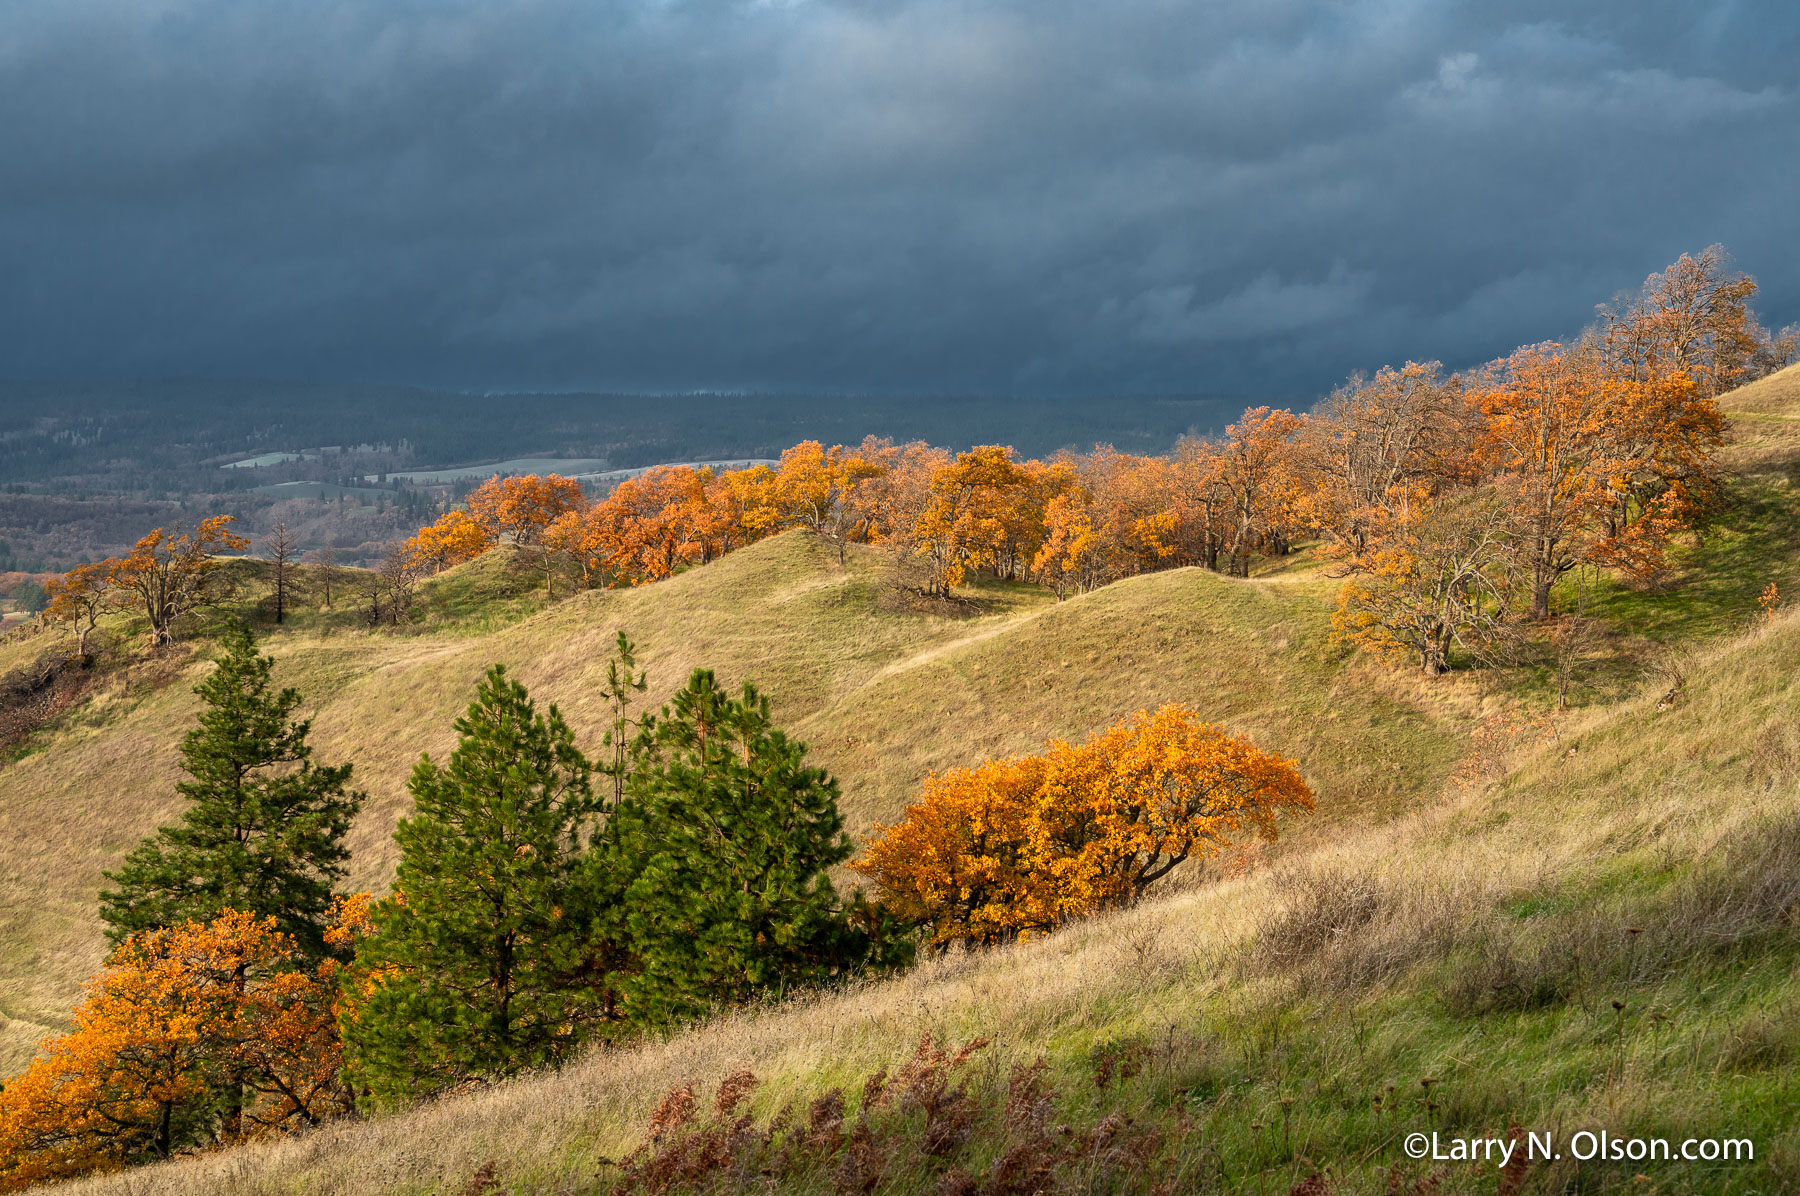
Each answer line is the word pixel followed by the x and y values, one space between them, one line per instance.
pixel 166 576
pixel 963 524
pixel 191 1036
pixel 1693 318
pixel 1598 455
pixel 79 598
pixel 455 537
pixel 522 507
pixel 1256 470
pixel 1074 522
pixel 1016 847
pixel 1597 468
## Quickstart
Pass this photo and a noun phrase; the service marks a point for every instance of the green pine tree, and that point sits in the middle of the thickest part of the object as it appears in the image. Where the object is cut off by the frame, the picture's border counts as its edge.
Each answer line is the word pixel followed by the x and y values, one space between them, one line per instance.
pixel 264 828
pixel 723 842
pixel 623 680
pixel 481 963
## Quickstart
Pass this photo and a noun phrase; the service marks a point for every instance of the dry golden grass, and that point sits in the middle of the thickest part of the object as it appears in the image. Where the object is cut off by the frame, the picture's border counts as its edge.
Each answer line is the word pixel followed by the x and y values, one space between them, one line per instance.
pixel 1765 417
pixel 1573 816
pixel 882 696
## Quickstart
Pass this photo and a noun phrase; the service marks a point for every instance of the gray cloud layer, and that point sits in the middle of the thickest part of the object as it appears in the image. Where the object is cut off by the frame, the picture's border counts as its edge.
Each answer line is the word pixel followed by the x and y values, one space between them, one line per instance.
pixel 1056 196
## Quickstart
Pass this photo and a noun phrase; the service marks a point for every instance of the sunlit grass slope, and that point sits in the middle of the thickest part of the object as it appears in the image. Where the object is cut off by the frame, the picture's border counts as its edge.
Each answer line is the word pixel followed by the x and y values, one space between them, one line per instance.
pixel 1479 941
pixel 1605 937
pixel 882 692
pixel 1752 541
pixel 1766 419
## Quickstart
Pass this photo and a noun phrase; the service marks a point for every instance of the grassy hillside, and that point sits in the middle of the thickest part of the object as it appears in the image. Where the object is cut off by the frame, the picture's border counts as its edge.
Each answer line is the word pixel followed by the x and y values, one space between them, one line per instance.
pixel 883 693
pixel 1603 932
pixel 1766 420
pixel 1608 937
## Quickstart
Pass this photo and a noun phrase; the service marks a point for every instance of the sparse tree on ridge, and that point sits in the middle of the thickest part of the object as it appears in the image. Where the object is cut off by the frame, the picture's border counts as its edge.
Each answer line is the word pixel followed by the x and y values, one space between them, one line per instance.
pixel 167 576
pixel 324 572
pixel 79 599
pixel 284 572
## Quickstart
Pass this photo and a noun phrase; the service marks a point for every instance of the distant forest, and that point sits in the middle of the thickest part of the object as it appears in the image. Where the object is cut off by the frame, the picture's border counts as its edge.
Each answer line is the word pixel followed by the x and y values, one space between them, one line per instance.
pixel 83 464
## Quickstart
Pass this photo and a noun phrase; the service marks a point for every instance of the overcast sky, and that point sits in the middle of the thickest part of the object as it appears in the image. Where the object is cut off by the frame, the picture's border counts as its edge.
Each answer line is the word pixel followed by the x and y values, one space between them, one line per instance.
pixel 1035 196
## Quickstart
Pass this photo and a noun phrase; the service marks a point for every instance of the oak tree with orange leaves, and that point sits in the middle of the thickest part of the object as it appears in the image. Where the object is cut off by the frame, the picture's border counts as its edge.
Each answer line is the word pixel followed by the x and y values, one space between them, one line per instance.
pixel 193 1036
pixel 964 521
pixel 1378 447
pixel 79 599
pixel 522 507
pixel 1016 847
pixel 1693 318
pixel 455 537
pixel 167 576
pixel 816 488
pixel 1596 468
pixel 647 529
pixel 1257 472
pixel 1435 578
pixel 1072 555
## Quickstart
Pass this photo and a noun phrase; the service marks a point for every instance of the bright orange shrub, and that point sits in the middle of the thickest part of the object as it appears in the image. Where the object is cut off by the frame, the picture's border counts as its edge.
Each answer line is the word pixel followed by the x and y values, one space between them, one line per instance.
pixel 1016 847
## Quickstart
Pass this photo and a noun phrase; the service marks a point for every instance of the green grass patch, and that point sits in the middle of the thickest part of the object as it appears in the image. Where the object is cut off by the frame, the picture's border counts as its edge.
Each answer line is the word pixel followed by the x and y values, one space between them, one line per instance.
pixel 1755 541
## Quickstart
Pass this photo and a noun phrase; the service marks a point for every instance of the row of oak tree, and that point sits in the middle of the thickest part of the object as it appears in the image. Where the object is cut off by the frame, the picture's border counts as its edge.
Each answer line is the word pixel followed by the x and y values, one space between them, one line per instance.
pixel 1451 503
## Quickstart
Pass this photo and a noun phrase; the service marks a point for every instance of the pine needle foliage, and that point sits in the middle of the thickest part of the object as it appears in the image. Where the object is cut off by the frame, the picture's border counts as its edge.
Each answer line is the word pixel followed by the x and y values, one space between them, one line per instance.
pixel 476 965
pixel 263 833
pixel 726 836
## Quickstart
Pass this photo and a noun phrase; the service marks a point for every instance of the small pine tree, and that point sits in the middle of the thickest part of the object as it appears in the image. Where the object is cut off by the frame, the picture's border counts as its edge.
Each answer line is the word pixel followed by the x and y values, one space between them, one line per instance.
pixel 722 845
pixel 623 679
pixel 480 963
pixel 263 833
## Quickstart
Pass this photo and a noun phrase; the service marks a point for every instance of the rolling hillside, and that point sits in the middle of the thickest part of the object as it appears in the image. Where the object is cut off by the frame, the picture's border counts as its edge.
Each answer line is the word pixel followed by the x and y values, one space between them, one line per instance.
pixel 1604 938
pixel 1766 421
pixel 1602 931
pixel 882 696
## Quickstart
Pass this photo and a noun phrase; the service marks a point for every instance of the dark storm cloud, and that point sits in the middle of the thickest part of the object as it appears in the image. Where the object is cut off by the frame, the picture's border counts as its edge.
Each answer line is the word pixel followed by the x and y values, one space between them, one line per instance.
pixel 970 195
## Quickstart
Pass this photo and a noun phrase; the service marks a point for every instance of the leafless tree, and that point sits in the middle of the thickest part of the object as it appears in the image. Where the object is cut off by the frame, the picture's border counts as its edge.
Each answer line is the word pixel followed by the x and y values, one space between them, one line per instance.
pixel 284 574
pixel 388 589
pixel 325 572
